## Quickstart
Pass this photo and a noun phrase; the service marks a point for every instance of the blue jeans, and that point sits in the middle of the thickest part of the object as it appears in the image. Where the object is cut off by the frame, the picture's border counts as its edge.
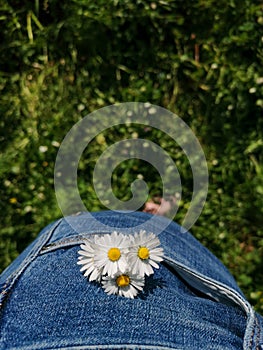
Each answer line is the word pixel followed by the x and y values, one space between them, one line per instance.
pixel 191 302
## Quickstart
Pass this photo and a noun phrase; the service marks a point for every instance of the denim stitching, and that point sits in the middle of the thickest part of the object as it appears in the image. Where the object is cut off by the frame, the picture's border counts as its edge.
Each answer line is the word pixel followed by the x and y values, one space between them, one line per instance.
pixel 101 347
pixel 231 294
pixel 39 249
pixel 217 287
pixel 252 336
pixel 220 290
pixel 24 264
pixel 258 332
pixel 67 242
pixel 3 294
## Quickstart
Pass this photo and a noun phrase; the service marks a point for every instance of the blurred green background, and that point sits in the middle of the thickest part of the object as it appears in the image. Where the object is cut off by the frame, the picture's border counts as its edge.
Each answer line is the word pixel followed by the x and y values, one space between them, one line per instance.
pixel 203 60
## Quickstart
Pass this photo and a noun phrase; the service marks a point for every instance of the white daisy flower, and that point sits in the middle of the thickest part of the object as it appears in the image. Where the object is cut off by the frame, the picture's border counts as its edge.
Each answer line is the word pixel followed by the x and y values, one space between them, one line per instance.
pixel 125 284
pixel 86 259
pixel 145 253
pixel 110 254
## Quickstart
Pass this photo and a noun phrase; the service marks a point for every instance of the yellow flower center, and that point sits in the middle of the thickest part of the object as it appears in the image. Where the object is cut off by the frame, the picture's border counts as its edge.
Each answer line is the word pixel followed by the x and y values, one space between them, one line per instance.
pixel 143 253
pixel 123 281
pixel 114 254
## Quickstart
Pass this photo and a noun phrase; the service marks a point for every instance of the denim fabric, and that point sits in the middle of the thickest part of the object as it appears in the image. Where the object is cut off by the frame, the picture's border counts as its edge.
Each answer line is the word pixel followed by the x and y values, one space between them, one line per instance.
pixel 191 302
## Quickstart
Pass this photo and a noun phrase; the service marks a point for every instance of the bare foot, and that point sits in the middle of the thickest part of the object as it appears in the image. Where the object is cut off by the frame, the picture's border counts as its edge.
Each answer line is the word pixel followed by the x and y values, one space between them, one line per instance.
pixel 161 208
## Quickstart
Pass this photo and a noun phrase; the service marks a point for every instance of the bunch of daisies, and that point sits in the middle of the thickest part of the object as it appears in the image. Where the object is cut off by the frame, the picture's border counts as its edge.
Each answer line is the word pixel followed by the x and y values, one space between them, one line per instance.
pixel 120 262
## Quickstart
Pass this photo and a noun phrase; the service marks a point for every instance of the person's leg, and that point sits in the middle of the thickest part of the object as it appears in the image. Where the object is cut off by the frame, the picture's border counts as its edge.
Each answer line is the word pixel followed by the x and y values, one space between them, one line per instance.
pixel 190 302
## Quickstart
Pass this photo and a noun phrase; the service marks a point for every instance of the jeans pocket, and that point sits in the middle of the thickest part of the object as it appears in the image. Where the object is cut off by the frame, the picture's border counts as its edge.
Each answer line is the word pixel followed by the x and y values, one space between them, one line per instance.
pixel 205 287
